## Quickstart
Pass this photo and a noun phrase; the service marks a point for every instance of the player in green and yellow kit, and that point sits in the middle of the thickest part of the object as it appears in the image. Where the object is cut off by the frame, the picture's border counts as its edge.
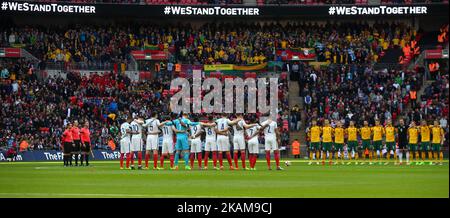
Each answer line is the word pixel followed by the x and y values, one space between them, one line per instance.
pixel 338 150
pixel 437 141
pixel 390 141
pixel 327 141
pixel 366 133
pixel 314 144
pixel 352 142
pixel 378 132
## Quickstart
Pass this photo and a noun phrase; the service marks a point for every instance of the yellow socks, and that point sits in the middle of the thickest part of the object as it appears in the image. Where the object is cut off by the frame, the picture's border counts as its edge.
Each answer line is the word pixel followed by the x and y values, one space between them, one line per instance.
pixel 317 155
pixel 441 156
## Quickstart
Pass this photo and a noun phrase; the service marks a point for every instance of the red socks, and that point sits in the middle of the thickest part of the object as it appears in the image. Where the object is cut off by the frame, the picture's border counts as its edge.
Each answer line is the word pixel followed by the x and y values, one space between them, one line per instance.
pixel 155 160
pixel 242 159
pixel 236 159
pixel 252 158
pixel 121 160
pixel 147 157
pixel 214 156
pixel 132 158
pixel 199 159
pixel 161 161
pixel 229 159
pixel 206 158
pixel 171 160
pixel 192 157
pixel 277 157
pixel 139 158
pixel 220 159
pixel 268 158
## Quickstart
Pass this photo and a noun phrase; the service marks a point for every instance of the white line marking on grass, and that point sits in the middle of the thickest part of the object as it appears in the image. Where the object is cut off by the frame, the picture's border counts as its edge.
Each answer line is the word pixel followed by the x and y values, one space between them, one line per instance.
pixel 120 195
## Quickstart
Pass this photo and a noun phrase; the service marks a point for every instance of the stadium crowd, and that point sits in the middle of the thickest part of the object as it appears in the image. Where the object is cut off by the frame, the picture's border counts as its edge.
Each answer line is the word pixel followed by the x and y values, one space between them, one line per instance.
pixel 359 93
pixel 233 43
pixel 35 111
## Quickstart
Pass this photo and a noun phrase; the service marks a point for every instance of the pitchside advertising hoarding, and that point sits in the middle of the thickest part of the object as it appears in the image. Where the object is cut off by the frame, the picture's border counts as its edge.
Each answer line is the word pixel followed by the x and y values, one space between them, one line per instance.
pixel 57 156
pixel 135 10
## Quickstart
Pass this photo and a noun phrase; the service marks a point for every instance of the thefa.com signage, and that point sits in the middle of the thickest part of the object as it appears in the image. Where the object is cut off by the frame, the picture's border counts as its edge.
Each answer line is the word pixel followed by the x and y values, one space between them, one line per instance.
pixel 57 156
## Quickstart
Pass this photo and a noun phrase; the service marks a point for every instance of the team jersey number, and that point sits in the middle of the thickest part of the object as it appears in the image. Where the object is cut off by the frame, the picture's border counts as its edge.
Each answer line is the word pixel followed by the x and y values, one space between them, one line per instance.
pixel 166 130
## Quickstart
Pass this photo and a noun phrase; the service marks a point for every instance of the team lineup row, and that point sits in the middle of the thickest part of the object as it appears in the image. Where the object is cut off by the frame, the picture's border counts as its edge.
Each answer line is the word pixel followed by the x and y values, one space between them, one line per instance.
pixel 368 141
pixel 181 136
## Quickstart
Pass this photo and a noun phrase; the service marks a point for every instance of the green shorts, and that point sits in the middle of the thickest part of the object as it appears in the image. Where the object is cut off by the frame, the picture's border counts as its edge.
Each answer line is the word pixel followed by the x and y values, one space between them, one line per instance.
pixel 326 146
pixel 352 145
pixel 425 146
pixel 412 147
pixel 377 145
pixel 366 144
pixel 436 147
pixel 339 146
pixel 314 146
pixel 390 146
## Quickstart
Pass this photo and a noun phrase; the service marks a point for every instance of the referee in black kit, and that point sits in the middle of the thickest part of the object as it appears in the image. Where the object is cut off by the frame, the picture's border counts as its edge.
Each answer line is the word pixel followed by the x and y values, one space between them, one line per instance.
pixel 402 131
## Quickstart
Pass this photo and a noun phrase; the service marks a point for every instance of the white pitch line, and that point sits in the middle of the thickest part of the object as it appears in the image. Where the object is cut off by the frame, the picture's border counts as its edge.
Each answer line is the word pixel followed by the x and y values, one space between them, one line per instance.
pixel 123 195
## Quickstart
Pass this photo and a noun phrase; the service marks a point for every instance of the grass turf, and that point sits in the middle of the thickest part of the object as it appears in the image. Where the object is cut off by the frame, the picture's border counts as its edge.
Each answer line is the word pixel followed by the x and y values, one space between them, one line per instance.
pixel 104 179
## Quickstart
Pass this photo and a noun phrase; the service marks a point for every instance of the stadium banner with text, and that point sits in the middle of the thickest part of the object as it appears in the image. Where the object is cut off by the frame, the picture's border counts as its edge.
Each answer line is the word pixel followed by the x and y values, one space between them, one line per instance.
pixel 149 54
pixel 250 67
pixel 217 67
pixel 136 10
pixel 302 54
pixel 10 52
pixel 58 155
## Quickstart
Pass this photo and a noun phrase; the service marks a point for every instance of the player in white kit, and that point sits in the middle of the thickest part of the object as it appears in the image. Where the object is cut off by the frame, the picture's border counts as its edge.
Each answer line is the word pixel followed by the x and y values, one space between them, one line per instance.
pixel 210 143
pixel 152 126
pixel 168 131
pixel 136 141
pixel 125 141
pixel 252 134
pixel 196 142
pixel 271 138
pixel 223 140
pixel 239 141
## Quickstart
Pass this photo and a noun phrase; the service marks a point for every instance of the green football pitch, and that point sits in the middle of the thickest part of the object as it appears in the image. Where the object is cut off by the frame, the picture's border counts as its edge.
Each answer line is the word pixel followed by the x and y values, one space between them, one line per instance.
pixel 105 179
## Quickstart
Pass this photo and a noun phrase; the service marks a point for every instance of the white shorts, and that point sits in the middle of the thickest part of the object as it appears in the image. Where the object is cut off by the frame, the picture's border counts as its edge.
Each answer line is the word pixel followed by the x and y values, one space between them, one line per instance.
pixel 152 142
pixel 223 143
pixel 253 147
pixel 238 143
pixel 270 144
pixel 136 144
pixel 196 145
pixel 125 145
pixel 210 145
pixel 167 146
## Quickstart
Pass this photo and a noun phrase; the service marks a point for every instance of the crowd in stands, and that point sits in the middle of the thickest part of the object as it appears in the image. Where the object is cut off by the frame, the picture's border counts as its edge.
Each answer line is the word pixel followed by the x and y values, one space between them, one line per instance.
pixel 232 43
pixel 357 92
pixel 35 111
